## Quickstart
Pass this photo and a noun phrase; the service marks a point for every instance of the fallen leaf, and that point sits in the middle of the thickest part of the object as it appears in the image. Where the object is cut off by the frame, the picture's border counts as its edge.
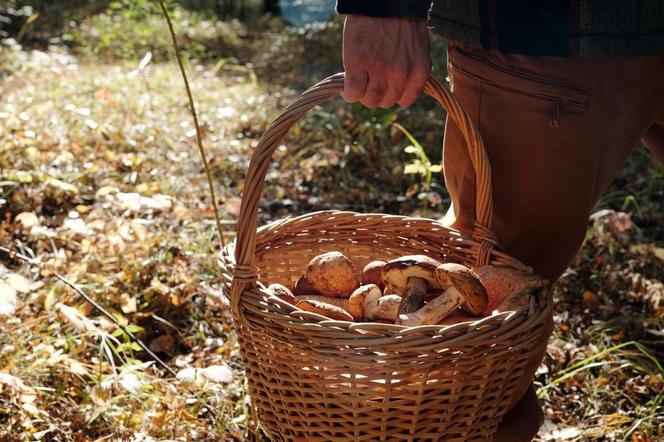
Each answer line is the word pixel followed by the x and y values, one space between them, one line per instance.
pixel 590 299
pixel 75 318
pixel 18 282
pixel 7 299
pixel 127 303
pixel 27 219
pixel 163 344
pixel 618 336
pixel 76 225
pixel 130 382
pixel 188 375
pixel 659 253
pixel 218 373
pixel 233 206
pixel 15 383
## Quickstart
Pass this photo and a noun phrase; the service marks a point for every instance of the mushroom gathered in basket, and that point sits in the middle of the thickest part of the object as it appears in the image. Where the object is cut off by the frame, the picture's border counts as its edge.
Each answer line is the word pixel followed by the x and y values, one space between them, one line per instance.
pixel 410 291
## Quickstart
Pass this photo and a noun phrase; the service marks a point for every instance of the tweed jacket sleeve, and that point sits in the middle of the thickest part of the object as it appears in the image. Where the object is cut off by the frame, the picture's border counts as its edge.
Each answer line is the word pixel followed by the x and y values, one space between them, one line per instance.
pixel 415 9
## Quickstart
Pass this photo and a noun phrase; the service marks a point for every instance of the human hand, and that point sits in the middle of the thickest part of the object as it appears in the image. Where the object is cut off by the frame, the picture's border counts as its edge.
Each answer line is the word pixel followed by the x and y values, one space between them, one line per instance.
pixel 386 60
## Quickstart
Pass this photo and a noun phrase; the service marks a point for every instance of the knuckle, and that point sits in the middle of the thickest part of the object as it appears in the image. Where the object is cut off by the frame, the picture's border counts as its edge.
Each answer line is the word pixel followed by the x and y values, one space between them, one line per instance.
pixel 376 93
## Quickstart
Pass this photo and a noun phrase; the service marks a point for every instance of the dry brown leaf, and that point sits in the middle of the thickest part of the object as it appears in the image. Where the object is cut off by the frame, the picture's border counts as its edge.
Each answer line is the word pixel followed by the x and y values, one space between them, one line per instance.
pixel 75 318
pixel 233 206
pixel 127 303
pixel 15 383
pixel 8 299
pixel 590 299
pixel 27 219
pixel 18 282
pixel 163 344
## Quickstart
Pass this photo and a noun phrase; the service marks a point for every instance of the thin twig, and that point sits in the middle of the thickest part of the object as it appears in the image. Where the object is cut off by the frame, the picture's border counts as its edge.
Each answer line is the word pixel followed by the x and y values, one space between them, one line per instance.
pixel 92 302
pixel 199 137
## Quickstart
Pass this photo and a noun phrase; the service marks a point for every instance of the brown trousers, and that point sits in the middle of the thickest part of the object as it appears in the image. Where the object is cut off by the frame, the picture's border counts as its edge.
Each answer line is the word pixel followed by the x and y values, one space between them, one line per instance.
pixel 557 131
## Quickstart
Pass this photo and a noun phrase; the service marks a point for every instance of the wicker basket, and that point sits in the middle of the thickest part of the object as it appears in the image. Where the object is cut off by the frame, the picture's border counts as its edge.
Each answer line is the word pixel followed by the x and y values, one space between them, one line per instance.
pixel 316 379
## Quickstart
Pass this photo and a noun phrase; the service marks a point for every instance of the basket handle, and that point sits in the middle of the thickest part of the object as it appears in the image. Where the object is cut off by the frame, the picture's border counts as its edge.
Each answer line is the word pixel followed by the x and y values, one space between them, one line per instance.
pixel 245 243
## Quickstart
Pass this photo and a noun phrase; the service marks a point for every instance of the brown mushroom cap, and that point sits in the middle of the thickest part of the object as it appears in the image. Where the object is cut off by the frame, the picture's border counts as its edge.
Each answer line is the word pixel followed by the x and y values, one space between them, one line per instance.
pixel 395 274
pixel 325 309
pixel 339 302
pixel 467 283
pixel 502 282
pixel 304 287
pixel 282 292
pixel 356 302
pixel 332 274
pixel 371 273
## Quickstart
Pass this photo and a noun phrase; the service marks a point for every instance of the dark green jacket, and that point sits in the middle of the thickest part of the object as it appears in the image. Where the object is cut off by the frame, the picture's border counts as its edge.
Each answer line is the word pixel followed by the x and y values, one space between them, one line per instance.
pixel 566 28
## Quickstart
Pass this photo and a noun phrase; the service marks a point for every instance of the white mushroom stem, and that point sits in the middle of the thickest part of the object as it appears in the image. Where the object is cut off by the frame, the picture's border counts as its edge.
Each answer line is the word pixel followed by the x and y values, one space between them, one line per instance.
pixel 434 311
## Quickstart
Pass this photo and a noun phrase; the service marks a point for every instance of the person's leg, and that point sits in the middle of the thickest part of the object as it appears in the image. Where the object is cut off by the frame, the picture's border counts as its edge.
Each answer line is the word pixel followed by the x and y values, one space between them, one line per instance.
pixel 654 139
pixel 557 132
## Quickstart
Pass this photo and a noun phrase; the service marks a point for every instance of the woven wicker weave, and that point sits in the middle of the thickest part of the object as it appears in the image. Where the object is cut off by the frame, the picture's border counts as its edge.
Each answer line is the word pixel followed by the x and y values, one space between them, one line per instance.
pixel 316 379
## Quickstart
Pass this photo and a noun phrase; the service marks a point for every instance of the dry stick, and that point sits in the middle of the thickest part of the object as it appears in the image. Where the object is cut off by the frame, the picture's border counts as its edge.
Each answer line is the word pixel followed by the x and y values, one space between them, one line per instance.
pixel 31 261
pixel 199 137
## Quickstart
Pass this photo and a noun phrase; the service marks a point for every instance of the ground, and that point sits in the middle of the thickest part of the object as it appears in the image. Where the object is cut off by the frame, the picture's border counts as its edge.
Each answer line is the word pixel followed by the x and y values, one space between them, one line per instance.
pixel 100 180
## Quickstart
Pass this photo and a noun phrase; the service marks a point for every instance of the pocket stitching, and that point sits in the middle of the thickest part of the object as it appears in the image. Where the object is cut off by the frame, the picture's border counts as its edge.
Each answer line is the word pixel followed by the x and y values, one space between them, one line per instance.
pixel 584 103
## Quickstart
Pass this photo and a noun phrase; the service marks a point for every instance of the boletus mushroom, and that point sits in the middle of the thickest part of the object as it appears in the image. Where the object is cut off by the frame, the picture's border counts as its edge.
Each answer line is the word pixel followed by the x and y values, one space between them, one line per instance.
pixel 282 292
pixel 325 309
pixel 332 274
pixel 303 287
pixel 502 282
pixel 474 294
pixel 434 311
pixel 357 300
pixel 371 273
pixel 410 277
pixel 368 303
pixel 339 302
pixel 385 308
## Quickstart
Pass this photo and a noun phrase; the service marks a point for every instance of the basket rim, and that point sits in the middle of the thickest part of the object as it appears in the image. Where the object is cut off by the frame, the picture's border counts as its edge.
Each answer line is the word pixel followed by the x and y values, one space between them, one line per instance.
pixel 258 300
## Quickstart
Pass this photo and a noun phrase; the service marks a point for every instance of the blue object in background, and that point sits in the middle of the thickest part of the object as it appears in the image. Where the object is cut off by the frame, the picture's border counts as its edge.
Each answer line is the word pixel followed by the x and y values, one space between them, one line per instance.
pixel 306 12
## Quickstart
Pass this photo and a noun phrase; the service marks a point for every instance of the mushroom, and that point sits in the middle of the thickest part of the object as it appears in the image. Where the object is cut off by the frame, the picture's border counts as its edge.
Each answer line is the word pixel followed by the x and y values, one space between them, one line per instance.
pixel 371 273
pixel 431 294
pixel 410 277
pixel 332 274
pixel 385 309
pixel 325 309
pixel 303 287
pixel 357 301
pixel 434 311
pixel 501 282
pixel 339 302
pixel 474 295
pixel 282 292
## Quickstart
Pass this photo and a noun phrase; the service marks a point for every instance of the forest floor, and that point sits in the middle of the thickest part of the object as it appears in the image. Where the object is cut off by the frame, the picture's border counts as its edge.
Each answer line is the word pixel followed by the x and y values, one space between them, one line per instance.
pixel 101 182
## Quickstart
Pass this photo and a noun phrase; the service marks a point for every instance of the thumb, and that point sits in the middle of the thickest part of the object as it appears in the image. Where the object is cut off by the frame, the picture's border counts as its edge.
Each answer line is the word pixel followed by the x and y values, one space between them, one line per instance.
pixel 355 84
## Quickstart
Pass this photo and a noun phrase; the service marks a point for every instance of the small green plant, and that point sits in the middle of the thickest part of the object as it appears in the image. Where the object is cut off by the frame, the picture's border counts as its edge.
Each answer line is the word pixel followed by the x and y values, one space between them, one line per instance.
pixel 420 164
pixel 128 29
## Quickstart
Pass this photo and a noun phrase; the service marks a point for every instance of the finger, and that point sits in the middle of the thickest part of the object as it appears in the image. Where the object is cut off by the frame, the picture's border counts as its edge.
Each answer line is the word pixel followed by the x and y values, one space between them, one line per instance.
pixel 375 91
pixel 395 89
pixel 355 85
pixel 413 90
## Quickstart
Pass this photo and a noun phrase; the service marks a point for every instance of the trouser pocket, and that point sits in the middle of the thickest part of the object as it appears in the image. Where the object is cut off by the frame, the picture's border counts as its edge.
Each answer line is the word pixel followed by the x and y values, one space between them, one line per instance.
pixel 563 95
